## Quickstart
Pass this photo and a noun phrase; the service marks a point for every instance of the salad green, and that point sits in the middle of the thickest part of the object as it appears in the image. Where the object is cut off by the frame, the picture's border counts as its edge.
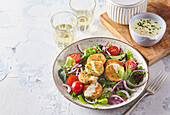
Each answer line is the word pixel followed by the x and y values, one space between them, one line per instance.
pixel 131 72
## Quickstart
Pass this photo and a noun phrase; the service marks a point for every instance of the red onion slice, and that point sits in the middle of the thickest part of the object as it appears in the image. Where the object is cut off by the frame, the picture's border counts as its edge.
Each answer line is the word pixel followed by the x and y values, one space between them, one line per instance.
pixel 72 71
pixel 81 69
pixel 119 51
pixel 82 57
pixel 136 71
pixel 125 92
pixel 124 58
pixel 90 101
pixel 108 53
pixel 101 79
pixel 75 66
pixel 116 85
pixel 68 87
pixel 107 89
pixel 79 48
pixel 114 95
pixel 80 65
pixel 77 72
pixel 133 85
pixel 126 87
pixel 104 49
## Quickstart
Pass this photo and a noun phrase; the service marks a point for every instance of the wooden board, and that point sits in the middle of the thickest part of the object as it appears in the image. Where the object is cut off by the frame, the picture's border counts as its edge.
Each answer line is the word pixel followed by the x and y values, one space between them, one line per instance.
pixel 153 53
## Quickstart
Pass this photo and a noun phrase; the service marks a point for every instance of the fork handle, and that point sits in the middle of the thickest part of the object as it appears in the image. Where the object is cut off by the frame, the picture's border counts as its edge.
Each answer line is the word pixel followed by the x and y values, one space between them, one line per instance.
pixel 127 112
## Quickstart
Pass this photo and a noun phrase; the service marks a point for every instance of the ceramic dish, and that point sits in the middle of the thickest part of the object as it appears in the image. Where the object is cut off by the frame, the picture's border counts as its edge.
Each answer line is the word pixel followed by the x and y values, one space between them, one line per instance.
pixel 89 42
pixel 121 11
pixel 146 40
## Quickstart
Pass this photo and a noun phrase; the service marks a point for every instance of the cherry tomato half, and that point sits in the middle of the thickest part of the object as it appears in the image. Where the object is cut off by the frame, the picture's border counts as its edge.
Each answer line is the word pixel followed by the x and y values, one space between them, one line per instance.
pixel 77 87
pixel 132 64
pixel 113 50
pixel 76 57
pixel 71 79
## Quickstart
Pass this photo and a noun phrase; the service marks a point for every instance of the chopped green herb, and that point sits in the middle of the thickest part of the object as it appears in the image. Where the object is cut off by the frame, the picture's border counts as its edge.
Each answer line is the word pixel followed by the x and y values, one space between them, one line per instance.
pixel 153 29
pixel 135 27
pixel 94 83
pixel 150 32
pixel 149 29
pixel 156 22
pixel 140 24
pixel 148 22
pixel 152 25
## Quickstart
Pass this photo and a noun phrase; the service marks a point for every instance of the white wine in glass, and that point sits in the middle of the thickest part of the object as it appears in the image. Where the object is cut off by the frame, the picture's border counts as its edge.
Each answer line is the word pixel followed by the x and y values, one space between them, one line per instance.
pixel 63 36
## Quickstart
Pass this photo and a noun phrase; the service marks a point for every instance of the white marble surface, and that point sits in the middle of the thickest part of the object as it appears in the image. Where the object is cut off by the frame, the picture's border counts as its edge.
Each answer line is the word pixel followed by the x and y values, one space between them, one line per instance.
pixel 27 53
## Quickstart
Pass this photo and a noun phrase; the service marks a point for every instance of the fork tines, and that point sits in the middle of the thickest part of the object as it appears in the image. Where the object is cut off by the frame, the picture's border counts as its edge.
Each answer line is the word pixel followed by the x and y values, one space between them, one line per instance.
pixel 157 83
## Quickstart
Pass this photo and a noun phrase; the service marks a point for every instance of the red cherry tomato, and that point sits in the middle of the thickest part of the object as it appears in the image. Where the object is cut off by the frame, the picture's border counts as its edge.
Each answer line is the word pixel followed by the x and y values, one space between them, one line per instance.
pixel 132 64
pixel 71 79
pixel 77 87
pixel 113 50
pixel 76 57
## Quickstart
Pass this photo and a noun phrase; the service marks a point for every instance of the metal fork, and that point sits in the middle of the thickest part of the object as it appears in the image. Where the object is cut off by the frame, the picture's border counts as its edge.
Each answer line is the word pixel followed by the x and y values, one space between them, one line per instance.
pixel 152 89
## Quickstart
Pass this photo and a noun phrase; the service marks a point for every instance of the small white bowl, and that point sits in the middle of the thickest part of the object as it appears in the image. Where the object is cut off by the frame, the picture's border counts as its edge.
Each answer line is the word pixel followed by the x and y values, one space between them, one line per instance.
pixel 146 40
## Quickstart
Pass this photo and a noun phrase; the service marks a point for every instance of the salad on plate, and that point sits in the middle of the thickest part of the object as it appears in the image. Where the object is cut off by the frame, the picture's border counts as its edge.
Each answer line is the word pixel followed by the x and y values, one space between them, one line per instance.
pixel 102 74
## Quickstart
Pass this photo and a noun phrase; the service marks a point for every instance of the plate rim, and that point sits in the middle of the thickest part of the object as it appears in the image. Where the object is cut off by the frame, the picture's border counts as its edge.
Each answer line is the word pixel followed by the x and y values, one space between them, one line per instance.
pixel 93 107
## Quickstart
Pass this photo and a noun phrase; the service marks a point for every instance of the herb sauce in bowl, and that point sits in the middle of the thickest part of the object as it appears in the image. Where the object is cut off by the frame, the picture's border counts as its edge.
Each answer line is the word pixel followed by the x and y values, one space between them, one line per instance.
pixel 147 27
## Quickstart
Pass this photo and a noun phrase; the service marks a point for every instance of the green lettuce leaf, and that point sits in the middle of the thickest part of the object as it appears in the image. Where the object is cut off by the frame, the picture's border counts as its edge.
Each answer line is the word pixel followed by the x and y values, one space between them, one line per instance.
pixel 121 94
pixel 62 75
pixel 69 63
pixel 128 71
pixel 82 99
pixel 87 52
pixel 118 57
pixel 140 68
pixel 102 100
pixel 121 72
pixel 74 95
pixel 110 45
pixel 129 55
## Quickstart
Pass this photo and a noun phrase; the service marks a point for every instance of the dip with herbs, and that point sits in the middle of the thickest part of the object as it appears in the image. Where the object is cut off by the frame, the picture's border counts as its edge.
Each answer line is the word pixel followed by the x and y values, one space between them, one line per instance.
pixel 147 27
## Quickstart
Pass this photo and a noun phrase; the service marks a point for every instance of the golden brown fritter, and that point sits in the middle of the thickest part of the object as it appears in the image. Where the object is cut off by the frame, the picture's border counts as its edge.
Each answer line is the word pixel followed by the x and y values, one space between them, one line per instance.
pixel 96 57
pixel 86 78
pixel 95 93
pixel 94 68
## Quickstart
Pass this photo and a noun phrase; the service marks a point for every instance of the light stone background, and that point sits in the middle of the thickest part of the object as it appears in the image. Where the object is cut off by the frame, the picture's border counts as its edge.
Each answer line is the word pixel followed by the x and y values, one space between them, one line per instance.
pixel 27 53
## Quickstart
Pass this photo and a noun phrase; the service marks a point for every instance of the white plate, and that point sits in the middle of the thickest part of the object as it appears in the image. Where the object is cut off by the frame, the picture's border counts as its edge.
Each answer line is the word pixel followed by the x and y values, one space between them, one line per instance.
pixel 89 42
